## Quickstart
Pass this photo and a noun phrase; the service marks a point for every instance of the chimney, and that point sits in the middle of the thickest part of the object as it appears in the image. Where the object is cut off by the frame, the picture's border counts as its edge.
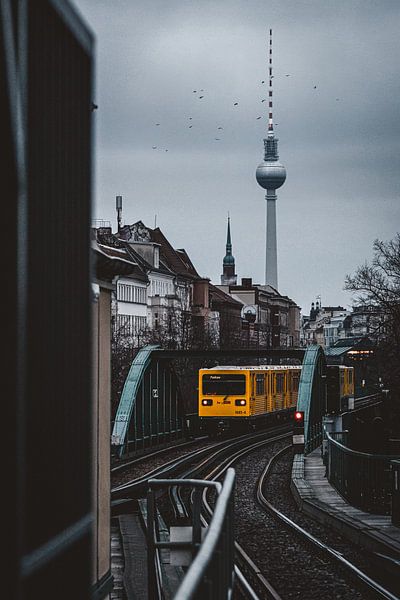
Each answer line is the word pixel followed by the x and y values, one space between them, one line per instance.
pixel 247 282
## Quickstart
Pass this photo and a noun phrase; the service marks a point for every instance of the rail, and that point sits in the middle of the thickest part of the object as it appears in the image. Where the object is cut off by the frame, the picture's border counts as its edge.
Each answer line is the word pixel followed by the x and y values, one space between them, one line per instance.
pixel 211 572
pixel 364 480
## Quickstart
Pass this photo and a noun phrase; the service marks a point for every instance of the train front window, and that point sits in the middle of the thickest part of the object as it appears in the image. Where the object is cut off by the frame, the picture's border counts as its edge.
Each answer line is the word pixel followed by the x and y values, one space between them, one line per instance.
pixel 224 385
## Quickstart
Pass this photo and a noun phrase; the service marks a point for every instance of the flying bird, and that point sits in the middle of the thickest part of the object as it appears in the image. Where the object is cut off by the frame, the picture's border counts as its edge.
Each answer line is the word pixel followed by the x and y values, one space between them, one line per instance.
pixel 194 91
pixel 154 147
pixel 235 103
pixel 337 99
pixel 218 139
pixel 263 82
pixel 190 118
pixel 220 127
pixel 315 87
pixel 166 150
pixel 287 75
pixel 157 123
pixel 264 100
pixel 201 97
pixel 190 126
pixel 258 118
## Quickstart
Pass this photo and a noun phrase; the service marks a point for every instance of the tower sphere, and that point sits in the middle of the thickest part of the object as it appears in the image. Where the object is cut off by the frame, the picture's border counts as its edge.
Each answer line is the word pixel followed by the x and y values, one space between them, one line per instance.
pixel 270 175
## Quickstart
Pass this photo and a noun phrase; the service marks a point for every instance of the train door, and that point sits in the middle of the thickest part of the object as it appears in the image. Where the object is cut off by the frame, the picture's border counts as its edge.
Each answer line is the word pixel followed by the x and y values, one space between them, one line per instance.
pixel 295 387
pixel 342 386
pixel 350 373
pixel 279 389
pixel 289 389
pixel 268 392
pixel 260 394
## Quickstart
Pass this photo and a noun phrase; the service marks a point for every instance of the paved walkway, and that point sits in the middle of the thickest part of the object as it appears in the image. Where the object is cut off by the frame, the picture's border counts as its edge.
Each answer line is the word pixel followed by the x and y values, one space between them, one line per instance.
pixel 317 497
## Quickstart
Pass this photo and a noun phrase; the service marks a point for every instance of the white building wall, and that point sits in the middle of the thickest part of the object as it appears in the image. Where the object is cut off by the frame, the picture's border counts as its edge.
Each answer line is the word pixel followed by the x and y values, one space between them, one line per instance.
pixel 131 295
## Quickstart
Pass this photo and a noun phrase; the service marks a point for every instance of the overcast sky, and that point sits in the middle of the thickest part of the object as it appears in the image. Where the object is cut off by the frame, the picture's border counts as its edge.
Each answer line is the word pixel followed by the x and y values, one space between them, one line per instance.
pixel 339 142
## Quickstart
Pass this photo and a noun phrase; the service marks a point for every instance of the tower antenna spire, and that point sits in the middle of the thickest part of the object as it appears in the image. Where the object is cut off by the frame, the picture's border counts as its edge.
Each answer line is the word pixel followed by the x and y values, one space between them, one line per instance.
pixel 271 175
pixel 270 118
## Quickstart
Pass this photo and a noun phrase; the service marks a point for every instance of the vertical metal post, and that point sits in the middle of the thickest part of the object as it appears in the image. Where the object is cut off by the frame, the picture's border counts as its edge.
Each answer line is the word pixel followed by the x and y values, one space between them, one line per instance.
pixel 151 570
pixel 143 419
pixel 158 402
pixel 196 533
pixel 176 414
pixel 135 426
pixel 164 406
pixel 151 406
pixel 170 407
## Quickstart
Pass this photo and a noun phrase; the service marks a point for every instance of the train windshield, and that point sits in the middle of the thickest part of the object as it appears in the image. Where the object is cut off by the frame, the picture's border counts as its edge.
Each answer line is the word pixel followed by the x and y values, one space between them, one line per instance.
pixel 224 384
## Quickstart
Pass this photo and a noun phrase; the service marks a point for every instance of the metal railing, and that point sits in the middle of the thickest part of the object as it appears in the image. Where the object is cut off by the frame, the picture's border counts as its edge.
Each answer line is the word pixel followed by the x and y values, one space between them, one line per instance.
pixel 211 572
pixel 364 480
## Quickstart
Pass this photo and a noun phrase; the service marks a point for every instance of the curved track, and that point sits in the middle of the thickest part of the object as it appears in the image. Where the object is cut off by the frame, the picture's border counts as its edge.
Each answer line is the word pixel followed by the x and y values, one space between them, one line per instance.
pixel 364 581
pixel 211 463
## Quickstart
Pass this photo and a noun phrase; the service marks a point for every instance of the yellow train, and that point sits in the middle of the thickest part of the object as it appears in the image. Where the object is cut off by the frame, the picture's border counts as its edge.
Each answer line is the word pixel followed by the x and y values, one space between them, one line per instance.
pixel 245 397
pixel 340 388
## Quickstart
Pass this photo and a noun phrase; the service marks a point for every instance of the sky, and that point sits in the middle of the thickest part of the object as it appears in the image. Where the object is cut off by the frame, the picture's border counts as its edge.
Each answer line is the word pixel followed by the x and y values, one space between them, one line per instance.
pixel 336 109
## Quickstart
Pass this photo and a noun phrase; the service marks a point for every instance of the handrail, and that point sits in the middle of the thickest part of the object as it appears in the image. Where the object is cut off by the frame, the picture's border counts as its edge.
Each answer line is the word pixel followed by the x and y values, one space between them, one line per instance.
pixel 363 479
pixel 218 540
pixel 192 580
pixel 331 436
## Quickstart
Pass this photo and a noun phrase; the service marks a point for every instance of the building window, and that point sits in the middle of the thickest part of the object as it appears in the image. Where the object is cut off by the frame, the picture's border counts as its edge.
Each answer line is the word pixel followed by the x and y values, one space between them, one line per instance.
pixel 130 325
pixel 131 293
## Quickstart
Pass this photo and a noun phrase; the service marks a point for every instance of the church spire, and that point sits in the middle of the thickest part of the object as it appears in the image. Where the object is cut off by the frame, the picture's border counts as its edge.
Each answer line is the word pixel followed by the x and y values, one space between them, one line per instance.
pixel 228 240
pixel 228 276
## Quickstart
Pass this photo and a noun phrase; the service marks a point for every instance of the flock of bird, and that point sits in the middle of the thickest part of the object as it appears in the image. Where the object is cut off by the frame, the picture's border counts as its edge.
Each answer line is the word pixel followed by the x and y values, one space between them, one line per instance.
pixel 220 128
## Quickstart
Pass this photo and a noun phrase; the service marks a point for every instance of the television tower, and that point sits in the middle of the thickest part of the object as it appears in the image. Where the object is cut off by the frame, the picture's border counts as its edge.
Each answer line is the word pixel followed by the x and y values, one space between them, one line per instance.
pixel 270 175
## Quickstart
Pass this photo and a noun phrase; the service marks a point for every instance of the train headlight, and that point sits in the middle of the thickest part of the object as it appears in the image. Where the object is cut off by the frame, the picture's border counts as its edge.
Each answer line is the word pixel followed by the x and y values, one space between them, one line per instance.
pixel 207 402
pixel 241 402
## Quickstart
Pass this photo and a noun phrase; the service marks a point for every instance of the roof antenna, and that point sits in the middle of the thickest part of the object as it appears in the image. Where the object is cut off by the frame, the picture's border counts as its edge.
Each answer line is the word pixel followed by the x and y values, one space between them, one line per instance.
pixel 118 206
pixel 155 221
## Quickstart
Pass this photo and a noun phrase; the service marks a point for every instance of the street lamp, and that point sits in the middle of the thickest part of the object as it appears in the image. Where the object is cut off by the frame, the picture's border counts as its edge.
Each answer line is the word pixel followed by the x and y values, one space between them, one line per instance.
pixel 249 314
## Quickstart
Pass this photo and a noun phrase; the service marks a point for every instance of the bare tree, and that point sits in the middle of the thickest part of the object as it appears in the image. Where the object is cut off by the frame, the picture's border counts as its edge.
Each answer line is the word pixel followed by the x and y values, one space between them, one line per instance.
pixel 122 354
pixel 378 285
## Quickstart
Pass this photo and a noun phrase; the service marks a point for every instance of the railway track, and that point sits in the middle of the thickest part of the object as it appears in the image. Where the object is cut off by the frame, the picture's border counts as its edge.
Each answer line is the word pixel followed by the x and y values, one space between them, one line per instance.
pixel 121 466
pixel 364 582
pixel 211 463
pixel 252 579
pixel 251 583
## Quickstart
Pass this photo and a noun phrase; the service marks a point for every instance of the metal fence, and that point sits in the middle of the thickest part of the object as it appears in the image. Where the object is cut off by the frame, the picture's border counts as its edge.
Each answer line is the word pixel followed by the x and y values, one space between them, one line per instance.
pixel 364 480
pixel 211 572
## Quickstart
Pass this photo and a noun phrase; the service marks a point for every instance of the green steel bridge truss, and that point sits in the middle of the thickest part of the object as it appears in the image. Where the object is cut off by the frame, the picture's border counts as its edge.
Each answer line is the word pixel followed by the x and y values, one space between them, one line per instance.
pixel 150 410
pixel 312 396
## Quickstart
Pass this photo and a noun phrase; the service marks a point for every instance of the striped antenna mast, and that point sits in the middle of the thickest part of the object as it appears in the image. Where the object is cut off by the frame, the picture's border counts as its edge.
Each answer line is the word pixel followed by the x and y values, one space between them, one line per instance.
pixel 270 119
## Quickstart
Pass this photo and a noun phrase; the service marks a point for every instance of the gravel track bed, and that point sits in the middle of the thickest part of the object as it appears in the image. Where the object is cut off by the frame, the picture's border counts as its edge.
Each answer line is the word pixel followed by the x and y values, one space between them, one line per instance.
pixel 149 463
pixel 290 565
pixel 278 493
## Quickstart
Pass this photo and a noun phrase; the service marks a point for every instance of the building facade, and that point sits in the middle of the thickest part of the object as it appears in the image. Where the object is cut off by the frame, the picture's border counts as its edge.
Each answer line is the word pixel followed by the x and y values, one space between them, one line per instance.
pixel 327 325
pixel 269 319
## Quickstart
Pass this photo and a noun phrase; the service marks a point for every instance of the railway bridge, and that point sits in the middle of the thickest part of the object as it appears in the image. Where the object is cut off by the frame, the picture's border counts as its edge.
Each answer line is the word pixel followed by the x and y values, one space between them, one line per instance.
pixel 152 409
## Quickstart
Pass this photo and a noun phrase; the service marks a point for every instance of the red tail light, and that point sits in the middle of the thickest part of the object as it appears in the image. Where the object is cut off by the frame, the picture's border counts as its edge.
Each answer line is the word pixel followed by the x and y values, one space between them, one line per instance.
pixel 299 416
